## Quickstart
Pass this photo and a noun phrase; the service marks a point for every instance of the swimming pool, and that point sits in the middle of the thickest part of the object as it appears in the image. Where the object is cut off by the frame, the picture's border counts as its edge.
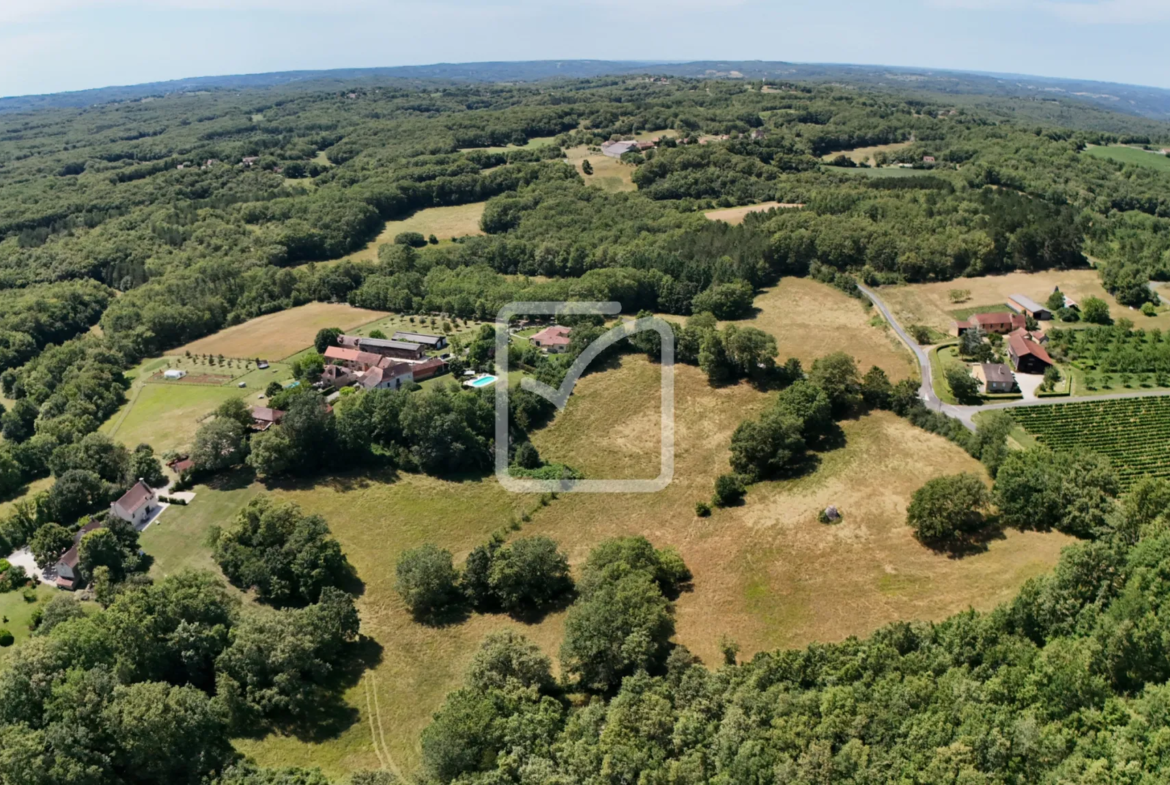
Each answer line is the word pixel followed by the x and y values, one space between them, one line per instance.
pixel 482 381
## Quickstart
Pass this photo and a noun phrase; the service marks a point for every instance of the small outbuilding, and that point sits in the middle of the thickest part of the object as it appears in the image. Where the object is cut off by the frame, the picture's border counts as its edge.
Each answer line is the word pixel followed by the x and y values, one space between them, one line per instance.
pixel 1026 305
pixel 174 373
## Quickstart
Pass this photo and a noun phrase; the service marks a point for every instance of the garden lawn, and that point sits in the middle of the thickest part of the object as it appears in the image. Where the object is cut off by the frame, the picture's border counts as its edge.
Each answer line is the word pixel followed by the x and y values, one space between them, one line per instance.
pixel 18 613
pixel 165 416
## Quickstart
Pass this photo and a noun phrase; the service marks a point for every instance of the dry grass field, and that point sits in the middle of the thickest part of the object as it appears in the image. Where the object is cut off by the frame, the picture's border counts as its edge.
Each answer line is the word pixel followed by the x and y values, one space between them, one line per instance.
pixel 443 222
pixel 766 573
pixel 735 215
pixel 275 336
pixel 609 174
pixel 930 303
pixel 810 319
pixel 866 154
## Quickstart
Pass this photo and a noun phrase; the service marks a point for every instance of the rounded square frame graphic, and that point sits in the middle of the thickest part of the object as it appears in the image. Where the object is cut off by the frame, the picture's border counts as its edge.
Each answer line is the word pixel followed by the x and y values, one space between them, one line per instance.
pixel 559 397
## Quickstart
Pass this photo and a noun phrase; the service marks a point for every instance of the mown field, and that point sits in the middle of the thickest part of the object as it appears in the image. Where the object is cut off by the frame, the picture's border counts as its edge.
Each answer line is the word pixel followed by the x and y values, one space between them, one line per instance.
pixel 811 319
pixel 275 336
pixel 1131 432
pixel 866 154
pixel 16 613
pixel 1131 155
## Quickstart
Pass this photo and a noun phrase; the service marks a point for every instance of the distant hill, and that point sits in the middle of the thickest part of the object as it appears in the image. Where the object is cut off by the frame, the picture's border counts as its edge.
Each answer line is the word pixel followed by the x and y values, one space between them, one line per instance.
pixel 1147 102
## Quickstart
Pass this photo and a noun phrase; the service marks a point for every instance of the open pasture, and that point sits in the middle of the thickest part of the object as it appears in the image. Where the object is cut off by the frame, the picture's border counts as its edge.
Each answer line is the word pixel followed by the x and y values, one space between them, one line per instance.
pixel 810 319
pixel 1124 154
pixel 278 335
pixel 865 154
pixel 930 303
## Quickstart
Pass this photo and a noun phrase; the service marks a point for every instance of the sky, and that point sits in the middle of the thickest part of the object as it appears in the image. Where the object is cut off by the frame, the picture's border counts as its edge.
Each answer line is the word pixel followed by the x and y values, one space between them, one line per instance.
pixel 56 45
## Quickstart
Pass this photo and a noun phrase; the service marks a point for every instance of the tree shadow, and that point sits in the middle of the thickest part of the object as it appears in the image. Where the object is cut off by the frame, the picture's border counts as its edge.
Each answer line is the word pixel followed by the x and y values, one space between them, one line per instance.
pixel 232 480
pixel 969 544
pixel 532 616
pixel 449 616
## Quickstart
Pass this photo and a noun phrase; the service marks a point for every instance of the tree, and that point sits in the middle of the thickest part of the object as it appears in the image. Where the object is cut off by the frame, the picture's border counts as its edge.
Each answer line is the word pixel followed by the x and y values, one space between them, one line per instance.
pixel 713 358
pixel 1095 311
pixel 310 431
pixel 876 389
pixel 62 608
pixel 427 581
pixel 1055 301
pixel 48 543
pixel 962 383
pixel 271 453
pixel 836 374
pixel 526 456
pixel 920 333
pixel 326 337
pixel 1147 500
pixel 586 167
pixel 219 444
pixel 751 352
pixel 143 465
pixel 308 367
pixel 95 453
pixel 236 410
pixel 529 573
pixel 18 421
pixel 273 388
pixel 972 341
pixel 507 658
pixel 947 506
pixel 623 623
pixel 100 548
pixel 809 405
pixel 1071 492
pixel 377 334
pixel 761 449
pixel 75 493
pixel 287 557
pixel 725 300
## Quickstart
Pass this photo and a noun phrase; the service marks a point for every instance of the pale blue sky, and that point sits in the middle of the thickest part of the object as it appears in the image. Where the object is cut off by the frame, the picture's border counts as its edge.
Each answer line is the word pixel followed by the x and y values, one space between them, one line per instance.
pixel 54 45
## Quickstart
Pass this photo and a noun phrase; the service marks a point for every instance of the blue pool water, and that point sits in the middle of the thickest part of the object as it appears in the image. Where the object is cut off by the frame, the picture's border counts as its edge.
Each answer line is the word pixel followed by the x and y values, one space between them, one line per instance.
pixel 482 381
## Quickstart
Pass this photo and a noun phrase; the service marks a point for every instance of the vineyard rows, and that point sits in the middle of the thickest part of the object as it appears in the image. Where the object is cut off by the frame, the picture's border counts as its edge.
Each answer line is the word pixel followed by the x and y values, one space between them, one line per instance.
pixel 1134 433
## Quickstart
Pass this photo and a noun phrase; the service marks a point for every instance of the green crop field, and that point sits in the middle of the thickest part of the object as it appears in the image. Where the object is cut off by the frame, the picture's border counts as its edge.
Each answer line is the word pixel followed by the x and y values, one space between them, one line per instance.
pixel 1131 432
pixel 1131 155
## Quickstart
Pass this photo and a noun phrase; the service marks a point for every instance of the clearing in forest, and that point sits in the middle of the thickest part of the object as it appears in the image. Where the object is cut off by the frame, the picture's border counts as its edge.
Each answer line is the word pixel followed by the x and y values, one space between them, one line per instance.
pixel 810 319
pixel 278 335
pixel 1131 155
pixel 865 154
pixel 736 215
pixel 444 223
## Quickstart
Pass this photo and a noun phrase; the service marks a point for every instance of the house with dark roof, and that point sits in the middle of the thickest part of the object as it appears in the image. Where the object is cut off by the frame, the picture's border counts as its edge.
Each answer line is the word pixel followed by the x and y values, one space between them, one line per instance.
pixel 552 339
pixel 1036 336
pixel 399 350
pixel 136 505
pixel 68 576
pixel 1002 323
pixel 996 377
pixel 1026 305
pixel 432 342
pixel 1027 355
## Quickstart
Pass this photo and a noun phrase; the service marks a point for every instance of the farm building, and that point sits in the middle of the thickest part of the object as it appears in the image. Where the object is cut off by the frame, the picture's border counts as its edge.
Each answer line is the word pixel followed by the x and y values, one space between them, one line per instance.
pixel 1036 336
pixel 996 377
pixel 428 368
pixel 351 358
pixel 1027 356
pixel 135 505
pixel 1068 301
pixel 264 418
pixel 617 149
pixel 1026 305
pixel 68 576
pixel 337 376
pixel 174 373
pixel 552 339
pixel 432 342
pixel 1001 323
pixel 399 350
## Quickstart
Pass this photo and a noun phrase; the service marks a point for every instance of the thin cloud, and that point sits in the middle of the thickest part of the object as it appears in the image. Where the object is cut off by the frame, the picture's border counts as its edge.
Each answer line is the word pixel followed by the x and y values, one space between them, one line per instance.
pixel 1115 12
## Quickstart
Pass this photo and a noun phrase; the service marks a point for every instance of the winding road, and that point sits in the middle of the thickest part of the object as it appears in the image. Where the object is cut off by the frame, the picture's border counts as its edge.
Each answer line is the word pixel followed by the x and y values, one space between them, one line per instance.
pixel 965 414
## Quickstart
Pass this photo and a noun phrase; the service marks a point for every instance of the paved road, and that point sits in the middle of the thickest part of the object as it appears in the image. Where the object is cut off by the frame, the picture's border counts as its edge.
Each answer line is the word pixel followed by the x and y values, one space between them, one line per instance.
pixel 965 414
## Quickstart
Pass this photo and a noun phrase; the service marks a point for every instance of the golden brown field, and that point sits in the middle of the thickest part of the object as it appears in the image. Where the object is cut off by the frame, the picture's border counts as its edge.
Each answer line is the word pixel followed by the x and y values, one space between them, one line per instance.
pixel 930 304
pixel 735 215
pixel 866 154
pixel 443 222
pixel 810 319
pixel 277 335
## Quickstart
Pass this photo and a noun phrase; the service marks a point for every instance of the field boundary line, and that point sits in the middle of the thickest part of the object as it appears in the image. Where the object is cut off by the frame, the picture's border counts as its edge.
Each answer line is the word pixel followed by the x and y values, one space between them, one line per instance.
pixel 373 731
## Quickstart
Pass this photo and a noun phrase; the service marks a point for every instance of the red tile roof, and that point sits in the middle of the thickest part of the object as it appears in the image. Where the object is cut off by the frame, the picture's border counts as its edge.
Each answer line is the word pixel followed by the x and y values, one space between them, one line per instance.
pixel 266 415
pixel 1022 347
pixel 552 336
pixel 134 498
pixel 1000 321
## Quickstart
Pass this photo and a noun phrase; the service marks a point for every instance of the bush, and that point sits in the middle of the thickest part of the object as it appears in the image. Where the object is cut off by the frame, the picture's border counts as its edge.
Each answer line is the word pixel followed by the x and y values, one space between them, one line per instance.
pixel 1149 309
pixel 729 490
pixel 29 594
pixel 413 239
pixel 6 638
pixel 702 509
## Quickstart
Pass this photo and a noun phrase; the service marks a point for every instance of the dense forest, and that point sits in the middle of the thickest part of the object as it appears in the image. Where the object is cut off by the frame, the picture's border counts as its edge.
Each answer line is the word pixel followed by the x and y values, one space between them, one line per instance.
pixel 130 228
